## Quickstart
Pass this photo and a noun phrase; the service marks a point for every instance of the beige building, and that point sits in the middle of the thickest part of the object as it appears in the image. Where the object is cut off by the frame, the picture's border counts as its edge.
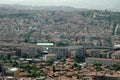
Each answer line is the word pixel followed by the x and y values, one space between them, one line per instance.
pixel 60 52
pixel 116 55
pixel 50 57
pixel 103 61
pixel 14 72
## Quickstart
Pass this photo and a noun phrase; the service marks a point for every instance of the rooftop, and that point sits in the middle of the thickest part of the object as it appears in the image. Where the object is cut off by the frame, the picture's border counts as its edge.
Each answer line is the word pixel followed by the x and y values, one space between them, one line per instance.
pixel 103 59
pixel 45 44
pixel 13 69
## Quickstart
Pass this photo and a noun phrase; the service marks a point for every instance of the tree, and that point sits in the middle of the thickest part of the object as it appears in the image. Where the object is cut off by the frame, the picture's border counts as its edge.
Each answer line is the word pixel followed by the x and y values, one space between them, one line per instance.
pixel 34 68
pixel 116 67
pixel 98 68
pixel 62 44
pixel 79 76
pixel 49 63
pixel 26 40
pixel 8 56
pixel 14 63
pixel 97 64
pixel 0 67
pixel 75 65
pixel 79 67
pixel 26 55
pixel 63 60
pixel 54 68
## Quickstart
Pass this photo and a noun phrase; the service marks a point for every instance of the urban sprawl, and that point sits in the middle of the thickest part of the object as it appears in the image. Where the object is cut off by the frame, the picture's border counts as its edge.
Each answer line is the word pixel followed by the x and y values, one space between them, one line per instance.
pixel 59 43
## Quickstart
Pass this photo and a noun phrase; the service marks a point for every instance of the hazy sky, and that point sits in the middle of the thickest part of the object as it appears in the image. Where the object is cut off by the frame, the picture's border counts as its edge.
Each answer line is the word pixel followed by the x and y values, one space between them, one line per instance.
pixel 90 4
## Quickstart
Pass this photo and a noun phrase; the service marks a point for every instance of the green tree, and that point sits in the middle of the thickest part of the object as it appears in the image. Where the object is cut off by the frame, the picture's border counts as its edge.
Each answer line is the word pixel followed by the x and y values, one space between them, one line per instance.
pixel 63 60
pixel 98 68
pixel 26 40
pixel 75 65
pixel 79 67
pixel 49 63
pixel 14 63
pixel 25 55
pixel 8 56
pixel 97 64
pixel 116 67
pixel 54 68
pixel 34 68
pixel 0 67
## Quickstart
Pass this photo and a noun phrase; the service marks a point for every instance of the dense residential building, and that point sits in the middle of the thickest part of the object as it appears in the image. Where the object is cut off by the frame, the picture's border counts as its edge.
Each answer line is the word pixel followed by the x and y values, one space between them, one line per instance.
pixel 81 53
pixel 58 44
pixel 116 55
pixel 103 61
pixel 60 52
pixel 50 57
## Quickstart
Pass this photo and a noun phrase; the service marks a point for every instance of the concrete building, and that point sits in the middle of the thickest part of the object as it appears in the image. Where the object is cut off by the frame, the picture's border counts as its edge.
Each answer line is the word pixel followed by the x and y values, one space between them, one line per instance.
pixel 14 72
pixel 103 61
pixel 59 51
pixel 50 57
pixel 94 53
pixel 116 55
pixel 9 78
pixel 81 53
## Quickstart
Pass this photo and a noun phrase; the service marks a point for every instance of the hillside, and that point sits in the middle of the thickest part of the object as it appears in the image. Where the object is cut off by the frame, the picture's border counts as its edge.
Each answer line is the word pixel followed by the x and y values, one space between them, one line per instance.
pixel 56 24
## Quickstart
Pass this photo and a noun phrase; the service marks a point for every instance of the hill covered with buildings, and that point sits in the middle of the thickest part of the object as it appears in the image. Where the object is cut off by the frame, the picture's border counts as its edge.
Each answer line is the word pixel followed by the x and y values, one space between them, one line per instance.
pixel 62 43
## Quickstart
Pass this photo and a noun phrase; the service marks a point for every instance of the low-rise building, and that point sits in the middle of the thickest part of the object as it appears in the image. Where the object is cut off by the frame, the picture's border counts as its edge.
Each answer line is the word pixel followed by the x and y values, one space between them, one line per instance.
pixel 59 51
pixel 50 57
pixel 103 61
pixel 116 55
pixel 14 72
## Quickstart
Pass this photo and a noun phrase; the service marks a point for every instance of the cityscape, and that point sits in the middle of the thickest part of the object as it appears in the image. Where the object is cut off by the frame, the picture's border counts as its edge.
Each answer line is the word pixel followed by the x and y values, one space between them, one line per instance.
pixel 59 43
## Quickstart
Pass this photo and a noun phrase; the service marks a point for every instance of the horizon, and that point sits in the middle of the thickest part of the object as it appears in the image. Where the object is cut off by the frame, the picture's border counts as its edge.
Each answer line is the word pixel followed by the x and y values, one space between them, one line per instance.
pixel 112 5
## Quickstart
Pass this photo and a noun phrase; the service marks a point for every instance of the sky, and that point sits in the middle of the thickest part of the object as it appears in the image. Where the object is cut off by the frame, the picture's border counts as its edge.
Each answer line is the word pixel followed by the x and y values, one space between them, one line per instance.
pixel 113 5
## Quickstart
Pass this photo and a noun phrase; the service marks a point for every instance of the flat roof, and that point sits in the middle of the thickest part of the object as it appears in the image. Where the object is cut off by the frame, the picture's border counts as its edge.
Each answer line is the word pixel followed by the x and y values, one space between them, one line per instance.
pixel 102 59
pixel 117 46
pixel 45 44
pixel 13 69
